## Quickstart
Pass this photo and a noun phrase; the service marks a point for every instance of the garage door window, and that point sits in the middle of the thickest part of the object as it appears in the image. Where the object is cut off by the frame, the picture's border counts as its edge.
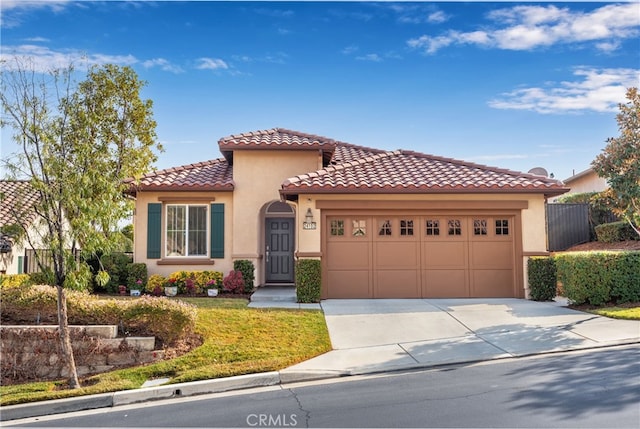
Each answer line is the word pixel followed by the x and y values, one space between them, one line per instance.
pixel 406 227
pixel 385 227
pixel 433 227
pixel 479 227
pixel 337 227
pixel 502 226
pixel 455 226
pixel 359 228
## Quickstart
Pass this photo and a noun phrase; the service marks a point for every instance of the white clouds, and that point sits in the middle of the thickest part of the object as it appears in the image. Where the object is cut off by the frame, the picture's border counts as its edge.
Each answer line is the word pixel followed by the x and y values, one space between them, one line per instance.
pixel 529 27
pixel 164 65
pixel 599 90
pixel 11 10
pixel 43 59
pixel 211 64
pixel 369 57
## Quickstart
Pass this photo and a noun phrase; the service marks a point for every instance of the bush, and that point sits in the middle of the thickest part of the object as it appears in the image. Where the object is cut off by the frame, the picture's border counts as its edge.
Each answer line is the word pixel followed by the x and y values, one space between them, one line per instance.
pixel 137 276
pixel 597 278
pixel 116 265
pixel 155 285
pixel 12 280
pixel 543 278
pixel 196 281
pixel 208 280
pixel 234 282
pixel 615 232
pixel 165 319
pixel 246 268
pixel 308 280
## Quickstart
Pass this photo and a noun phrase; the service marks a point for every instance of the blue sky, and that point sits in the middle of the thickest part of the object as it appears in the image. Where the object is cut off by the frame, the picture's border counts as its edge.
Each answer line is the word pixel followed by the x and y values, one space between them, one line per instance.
pixel 509 84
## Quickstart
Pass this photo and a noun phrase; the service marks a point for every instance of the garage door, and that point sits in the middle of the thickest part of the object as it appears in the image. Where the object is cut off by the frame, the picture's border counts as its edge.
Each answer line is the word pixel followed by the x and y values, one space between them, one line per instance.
pixel 425 256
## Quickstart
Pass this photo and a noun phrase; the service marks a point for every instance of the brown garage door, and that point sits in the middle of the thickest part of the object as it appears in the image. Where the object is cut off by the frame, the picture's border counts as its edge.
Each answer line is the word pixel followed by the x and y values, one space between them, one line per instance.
pixel 414 256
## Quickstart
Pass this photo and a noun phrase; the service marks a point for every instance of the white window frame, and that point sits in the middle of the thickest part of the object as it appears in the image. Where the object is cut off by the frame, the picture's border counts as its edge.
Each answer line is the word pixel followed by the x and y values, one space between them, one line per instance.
pixel 187 254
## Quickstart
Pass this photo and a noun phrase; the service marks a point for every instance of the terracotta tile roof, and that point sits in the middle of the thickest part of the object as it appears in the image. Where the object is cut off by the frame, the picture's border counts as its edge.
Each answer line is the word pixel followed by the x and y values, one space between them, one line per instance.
pixel 17 200
pixel 276 138
pixel 346 152
pixel 411 172
pixel 213 175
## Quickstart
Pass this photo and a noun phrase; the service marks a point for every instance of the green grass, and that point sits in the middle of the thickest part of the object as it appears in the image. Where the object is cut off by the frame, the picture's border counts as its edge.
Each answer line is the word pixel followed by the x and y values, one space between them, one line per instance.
pixel 237 340
pixel 632 313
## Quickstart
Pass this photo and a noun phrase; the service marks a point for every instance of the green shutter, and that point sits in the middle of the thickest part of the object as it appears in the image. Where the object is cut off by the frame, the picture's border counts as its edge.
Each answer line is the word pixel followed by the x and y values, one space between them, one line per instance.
pixel 20 264
pixel 217 230
pixel 154 230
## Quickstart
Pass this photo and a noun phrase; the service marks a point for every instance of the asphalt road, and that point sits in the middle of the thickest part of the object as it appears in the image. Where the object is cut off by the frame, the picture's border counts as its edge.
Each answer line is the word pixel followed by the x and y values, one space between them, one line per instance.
pixel 596 388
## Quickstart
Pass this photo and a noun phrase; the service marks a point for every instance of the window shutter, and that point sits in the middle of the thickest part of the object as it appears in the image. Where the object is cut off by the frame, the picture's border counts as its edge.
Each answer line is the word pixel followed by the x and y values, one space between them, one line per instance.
pixel 154 230
pixel 217 231
pixel 20 264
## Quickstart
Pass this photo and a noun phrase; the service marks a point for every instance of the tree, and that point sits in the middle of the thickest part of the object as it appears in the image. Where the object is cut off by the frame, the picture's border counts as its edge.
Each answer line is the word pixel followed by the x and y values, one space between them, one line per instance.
pixel 78 143
pixel 619 162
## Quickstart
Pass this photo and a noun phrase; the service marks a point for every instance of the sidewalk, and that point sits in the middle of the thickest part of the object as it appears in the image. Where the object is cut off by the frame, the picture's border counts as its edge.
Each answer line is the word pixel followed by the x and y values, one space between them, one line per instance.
pixel 370 336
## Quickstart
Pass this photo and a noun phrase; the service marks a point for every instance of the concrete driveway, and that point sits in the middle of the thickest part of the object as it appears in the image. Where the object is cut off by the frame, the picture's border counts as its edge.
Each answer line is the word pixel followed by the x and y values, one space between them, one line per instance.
pixel 388 334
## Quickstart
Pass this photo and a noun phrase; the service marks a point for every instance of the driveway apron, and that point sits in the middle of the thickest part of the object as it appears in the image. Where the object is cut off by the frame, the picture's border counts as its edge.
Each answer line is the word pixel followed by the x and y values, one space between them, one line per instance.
pixel 389 334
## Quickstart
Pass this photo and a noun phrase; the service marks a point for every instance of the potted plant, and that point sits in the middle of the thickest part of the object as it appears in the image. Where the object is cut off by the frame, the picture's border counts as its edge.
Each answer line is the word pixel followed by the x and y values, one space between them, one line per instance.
pixel 155 285
pixel 212 288
pixel 135 289
pixel 171 288
pixel 122 289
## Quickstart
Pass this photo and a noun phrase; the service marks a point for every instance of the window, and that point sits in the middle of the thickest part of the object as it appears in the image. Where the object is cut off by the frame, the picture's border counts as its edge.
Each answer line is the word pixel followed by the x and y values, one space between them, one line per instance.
pixel 359 228
pixel 186 230
pixel 385 227
pixel 433 227
pixel 455 226
pixel 502 226
pixel 479 227
pixel 337 227
pixel 406 227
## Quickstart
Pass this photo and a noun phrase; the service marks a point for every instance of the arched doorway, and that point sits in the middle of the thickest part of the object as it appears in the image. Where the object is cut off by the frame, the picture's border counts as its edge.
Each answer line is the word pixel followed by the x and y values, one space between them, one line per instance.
pixel 279 227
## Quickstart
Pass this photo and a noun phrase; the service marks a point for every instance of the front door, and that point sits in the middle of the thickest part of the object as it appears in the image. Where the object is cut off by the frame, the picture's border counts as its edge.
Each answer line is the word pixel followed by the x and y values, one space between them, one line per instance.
pixel 279 250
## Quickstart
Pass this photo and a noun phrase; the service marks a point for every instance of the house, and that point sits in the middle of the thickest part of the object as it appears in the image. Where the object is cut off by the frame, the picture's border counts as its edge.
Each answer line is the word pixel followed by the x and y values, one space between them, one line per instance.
pixel 586 181
pixel 17 200
pixel 385 224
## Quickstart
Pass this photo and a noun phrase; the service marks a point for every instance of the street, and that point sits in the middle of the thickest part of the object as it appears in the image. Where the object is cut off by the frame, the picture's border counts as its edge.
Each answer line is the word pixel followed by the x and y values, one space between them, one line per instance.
pixel 595 388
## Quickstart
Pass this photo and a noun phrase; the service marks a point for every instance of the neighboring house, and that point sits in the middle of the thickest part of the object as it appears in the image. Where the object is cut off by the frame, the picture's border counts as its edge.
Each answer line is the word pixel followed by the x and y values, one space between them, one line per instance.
pixel 17 199
pixel 385 224
pixel 585 181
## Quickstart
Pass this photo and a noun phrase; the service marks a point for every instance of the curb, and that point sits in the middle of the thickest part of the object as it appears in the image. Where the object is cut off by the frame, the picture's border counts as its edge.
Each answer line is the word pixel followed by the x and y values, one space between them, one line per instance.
pixel 219 385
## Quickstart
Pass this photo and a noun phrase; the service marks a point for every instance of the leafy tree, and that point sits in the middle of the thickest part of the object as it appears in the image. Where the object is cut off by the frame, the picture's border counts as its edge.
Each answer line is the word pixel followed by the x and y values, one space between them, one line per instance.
pixel 619 162
pixel 78 141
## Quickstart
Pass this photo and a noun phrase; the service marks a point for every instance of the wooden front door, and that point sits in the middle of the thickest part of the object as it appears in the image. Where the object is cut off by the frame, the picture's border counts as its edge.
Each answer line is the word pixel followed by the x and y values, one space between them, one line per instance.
pixel 279 244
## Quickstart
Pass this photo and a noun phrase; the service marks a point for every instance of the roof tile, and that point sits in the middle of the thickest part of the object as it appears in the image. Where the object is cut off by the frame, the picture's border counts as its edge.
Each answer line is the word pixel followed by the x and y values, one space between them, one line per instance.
pixel 213 175
pixel 18 199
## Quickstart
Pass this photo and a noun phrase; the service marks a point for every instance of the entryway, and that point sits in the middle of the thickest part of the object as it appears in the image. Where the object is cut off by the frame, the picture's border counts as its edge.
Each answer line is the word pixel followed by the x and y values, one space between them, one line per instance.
pixel 279 244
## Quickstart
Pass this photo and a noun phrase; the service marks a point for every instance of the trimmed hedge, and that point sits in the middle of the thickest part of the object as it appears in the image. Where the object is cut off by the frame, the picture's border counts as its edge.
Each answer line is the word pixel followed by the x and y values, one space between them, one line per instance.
pixel 167 320
pixel 615 231
pixel 543 278
pixel 308 280
pixel 597 278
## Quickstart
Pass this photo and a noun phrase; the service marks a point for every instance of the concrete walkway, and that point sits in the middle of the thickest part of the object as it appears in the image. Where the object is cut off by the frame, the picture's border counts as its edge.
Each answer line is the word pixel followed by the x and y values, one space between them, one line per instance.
pixel 383 335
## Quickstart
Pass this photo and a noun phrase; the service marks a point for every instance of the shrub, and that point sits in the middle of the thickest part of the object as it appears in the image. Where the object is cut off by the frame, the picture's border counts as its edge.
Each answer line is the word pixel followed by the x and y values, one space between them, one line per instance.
pixel 599 277
pixel 615 231
pixel 208 280
pixel 234 282
pixel 137 276
pixel 165 319
pixel 308 280
pixel 196 281
pixel 542 278
pixel 155 284
pixel 246 268
pixel 116 265
pixel 12 280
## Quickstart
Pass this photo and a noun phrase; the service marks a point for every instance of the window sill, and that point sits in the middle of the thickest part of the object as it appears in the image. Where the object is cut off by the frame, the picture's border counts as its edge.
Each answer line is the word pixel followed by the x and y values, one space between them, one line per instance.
pixel 185 261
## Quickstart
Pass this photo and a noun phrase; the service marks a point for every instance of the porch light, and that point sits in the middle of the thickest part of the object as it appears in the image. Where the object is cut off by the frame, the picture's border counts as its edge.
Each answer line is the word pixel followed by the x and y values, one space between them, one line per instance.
pixel 308 218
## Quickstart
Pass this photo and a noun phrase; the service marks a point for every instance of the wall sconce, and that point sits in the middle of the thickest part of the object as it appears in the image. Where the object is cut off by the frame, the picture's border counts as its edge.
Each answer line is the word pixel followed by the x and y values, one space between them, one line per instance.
pixel 308 223
pixel 309 216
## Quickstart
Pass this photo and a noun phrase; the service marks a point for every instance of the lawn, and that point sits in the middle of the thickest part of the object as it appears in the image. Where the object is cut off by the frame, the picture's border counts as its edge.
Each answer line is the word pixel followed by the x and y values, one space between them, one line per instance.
pixel 237 340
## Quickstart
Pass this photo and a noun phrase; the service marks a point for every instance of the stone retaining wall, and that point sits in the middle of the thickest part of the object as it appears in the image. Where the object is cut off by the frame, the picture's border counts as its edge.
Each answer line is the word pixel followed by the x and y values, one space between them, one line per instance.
pixel 32 353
